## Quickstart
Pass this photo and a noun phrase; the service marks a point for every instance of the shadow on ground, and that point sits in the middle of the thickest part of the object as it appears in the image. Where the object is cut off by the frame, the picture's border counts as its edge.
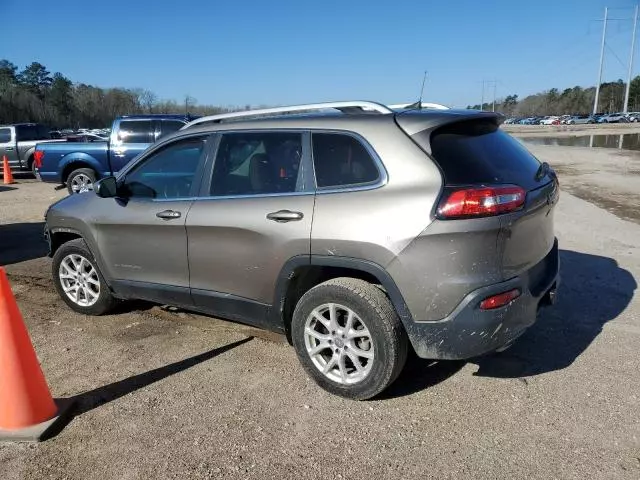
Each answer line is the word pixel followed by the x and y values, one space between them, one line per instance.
pixel 593 291
pixel 22 241
pixel 419 374
pixel 97 397
pixel 5 188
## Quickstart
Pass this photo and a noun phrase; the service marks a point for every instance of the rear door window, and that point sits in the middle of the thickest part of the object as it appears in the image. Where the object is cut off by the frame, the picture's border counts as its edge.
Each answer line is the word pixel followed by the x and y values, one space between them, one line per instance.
pixel 257 164
pixel 341 160
pixel 135 131
pixel 477 152
pixel 5 135
pixel 26 133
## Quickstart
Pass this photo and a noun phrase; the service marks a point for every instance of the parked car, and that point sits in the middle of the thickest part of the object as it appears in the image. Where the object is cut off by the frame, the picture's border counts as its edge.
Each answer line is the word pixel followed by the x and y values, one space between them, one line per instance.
pixel 79 165
pixel 18 143
pixel 580 119
pixel 552 120
pixel 529 121
pixel 356 236
pixel 564 119
pixel 614 118
pixel 633 117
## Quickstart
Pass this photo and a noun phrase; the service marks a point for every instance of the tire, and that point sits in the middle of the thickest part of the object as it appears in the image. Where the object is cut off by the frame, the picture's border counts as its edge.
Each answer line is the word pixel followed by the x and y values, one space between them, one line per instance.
pixel 387 341
pixel 75 253
pixel 80 179
pixel 31 166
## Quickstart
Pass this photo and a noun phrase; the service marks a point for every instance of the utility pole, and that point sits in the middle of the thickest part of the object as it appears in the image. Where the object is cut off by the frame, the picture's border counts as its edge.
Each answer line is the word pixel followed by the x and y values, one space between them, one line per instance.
pixel 482 101
pixel 633 46
pixel 604 34
pixel 493 109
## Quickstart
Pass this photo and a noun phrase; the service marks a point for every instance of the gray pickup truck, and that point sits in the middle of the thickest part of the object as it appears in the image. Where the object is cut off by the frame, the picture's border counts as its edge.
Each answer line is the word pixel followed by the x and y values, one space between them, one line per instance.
pixel 18 143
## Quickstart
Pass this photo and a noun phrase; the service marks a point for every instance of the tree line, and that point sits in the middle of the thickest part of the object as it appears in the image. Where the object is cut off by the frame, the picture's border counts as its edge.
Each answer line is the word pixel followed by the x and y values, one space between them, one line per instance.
pixel 35 95
pixel 573 101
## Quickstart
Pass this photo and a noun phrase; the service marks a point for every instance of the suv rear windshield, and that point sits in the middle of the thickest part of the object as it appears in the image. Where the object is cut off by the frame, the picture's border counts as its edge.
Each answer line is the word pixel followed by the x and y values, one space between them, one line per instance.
pixel 478 152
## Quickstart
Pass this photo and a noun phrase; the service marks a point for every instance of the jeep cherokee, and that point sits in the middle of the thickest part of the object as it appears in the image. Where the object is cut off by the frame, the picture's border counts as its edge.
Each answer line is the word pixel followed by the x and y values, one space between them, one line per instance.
pixel 356 230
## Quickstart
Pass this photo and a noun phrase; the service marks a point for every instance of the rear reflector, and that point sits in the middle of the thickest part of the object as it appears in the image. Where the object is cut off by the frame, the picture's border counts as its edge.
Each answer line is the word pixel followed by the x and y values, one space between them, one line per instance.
pixel 481 202
pixel 38 155
pixel 499 300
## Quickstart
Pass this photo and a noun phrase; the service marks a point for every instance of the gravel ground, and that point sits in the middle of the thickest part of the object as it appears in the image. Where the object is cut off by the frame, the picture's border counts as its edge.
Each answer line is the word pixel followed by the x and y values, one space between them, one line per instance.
pixel 167 394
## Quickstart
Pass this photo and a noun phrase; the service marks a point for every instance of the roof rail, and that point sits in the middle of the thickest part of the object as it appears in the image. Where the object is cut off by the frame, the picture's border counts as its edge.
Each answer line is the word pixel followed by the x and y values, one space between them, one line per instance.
pixel 434 106
pixel 345 107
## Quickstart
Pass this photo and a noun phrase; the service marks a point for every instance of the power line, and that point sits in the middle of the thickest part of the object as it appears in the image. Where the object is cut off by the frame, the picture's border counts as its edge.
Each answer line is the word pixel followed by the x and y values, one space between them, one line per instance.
pixel 490 84
pixel 633 46
pixel 576 53
pixel 614 55
pixel 604 44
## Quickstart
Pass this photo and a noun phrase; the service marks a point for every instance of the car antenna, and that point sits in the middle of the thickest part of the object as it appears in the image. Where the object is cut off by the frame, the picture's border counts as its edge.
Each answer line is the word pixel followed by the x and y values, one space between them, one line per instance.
pixel 418 104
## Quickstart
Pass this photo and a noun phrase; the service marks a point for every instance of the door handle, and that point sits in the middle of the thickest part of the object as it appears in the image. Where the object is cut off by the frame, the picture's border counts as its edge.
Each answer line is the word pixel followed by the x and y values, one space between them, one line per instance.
pixel 9 149
pixel 282 216
pixel 168 214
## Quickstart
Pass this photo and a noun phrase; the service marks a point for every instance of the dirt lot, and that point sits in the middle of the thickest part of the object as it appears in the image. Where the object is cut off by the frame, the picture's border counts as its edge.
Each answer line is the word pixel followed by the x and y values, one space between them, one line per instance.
pixel 167 394
pixel 607 177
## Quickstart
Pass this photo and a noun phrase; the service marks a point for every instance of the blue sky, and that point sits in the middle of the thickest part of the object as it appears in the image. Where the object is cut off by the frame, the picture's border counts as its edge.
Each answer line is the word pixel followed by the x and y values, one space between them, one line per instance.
pixel 280 52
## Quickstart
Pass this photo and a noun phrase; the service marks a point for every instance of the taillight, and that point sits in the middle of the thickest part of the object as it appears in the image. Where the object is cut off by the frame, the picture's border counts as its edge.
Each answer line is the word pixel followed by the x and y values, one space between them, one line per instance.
pixel 499 300
pixel 38 155
pixel 481 202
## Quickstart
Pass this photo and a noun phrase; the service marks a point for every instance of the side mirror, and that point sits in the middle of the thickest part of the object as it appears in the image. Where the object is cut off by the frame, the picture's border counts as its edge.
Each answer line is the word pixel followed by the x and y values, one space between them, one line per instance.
pixel 107 187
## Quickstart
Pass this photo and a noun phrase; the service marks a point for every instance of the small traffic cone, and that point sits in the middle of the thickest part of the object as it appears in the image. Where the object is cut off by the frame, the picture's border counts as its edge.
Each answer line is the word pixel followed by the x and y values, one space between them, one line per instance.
pixel 27 411
pixel 6 171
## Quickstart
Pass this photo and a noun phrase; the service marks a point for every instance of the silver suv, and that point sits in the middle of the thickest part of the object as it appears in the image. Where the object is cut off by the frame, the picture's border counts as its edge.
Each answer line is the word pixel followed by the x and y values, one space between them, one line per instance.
pixel 356 230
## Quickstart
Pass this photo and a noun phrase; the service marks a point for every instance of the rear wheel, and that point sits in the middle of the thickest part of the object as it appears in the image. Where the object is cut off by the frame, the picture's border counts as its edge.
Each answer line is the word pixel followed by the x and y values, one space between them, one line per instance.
pixel 31 165
pixel 78 280
pixel 81 180
pixel 348 338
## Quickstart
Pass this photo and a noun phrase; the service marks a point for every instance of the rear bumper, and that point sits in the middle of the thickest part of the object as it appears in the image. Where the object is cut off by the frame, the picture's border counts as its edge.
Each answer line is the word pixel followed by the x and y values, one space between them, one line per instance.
pixel 470 332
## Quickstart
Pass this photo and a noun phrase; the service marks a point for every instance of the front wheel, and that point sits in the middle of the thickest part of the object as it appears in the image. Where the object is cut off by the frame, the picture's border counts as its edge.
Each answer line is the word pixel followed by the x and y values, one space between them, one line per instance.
pixel 81 180
pixel 78 280
pixel 349 338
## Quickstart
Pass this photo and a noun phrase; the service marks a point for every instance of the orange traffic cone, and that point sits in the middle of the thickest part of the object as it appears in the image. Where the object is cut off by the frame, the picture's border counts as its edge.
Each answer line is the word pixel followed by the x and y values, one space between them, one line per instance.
pixel 27 411
pixel 6 171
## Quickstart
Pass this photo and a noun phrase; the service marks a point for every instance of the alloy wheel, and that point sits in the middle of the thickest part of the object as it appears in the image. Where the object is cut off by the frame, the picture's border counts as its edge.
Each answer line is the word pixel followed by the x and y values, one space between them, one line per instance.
pixel 339 343
pixel 81 183
pixel 79 280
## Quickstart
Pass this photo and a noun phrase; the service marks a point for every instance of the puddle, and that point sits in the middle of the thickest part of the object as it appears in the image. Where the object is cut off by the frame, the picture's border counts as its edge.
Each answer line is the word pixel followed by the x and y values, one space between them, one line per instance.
pixel 627 141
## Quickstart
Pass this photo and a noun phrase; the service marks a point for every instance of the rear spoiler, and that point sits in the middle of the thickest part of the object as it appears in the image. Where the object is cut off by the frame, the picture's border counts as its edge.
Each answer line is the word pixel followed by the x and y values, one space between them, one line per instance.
pixel 414 121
